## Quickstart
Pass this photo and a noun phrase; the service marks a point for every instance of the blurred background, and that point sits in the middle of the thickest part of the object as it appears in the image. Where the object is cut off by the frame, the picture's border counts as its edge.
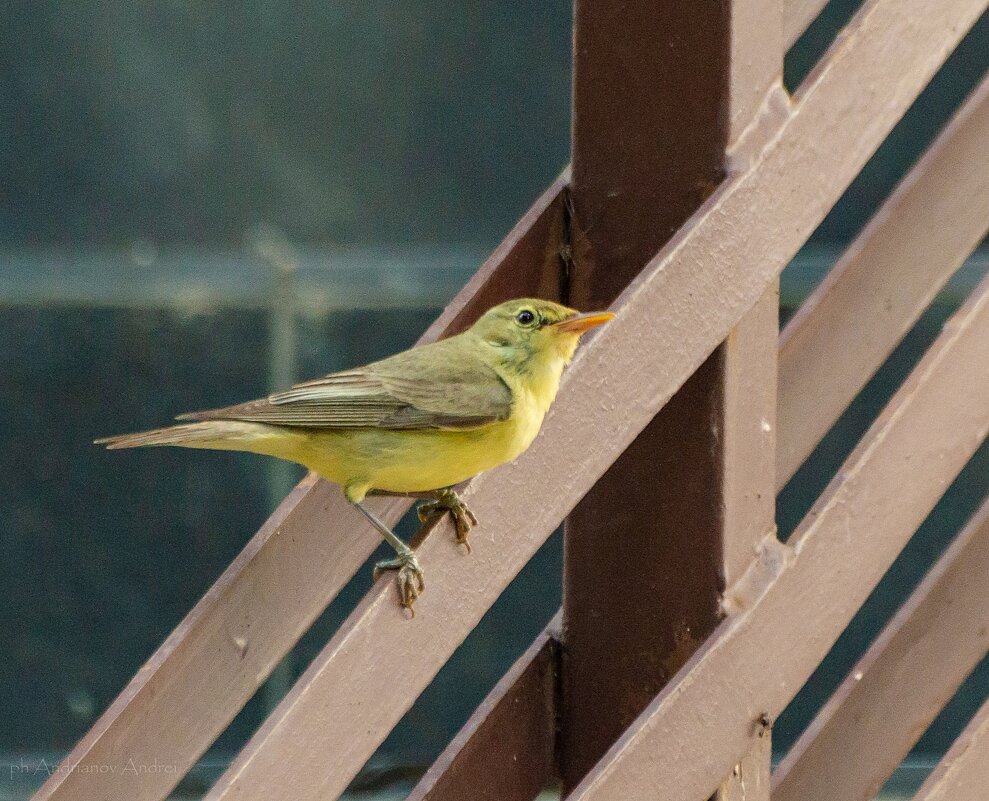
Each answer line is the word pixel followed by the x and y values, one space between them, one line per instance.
pixel 200 202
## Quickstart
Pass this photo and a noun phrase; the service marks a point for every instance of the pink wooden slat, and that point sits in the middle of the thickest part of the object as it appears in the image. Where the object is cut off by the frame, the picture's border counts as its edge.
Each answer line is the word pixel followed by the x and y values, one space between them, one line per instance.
pixel 963 773
pixel 805 593
pixel 191 688
pixel 909 673
pixel 879 288
pixel 683 305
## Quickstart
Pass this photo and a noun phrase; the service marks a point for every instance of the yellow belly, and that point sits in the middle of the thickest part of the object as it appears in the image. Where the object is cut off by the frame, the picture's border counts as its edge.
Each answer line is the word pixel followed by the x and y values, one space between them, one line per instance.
pixel 412 461
pixel 362 459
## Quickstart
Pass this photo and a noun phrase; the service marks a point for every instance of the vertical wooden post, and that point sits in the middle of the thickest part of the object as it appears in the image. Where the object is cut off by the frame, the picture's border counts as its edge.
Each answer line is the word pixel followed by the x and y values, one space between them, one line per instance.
pixel 666 96
pixel 748 475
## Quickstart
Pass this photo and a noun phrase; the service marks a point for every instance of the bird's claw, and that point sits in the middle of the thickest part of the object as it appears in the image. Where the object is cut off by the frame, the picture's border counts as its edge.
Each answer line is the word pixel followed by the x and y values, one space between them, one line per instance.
pixel 448 501
pixel 410 579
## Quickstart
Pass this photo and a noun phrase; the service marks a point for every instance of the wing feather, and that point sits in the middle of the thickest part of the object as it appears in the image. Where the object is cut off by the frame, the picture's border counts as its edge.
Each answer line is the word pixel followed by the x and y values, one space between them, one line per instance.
pixel 443 385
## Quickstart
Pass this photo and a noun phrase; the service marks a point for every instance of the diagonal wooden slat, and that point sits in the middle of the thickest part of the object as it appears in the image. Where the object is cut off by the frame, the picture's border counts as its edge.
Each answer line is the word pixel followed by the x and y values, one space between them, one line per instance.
pixel 910 672
pixel 963 773
pixel 671 318
pixel 507 750
pixel 285 576
pixel 879 288
pixel 805 593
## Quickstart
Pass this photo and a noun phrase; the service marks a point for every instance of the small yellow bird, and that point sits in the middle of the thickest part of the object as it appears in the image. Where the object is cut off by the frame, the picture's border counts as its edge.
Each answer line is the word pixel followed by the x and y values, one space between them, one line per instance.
pixel 414 424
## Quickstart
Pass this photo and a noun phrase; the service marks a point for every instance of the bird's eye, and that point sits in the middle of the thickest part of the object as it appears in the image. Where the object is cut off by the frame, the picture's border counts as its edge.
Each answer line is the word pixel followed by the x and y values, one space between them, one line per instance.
pixel 525 317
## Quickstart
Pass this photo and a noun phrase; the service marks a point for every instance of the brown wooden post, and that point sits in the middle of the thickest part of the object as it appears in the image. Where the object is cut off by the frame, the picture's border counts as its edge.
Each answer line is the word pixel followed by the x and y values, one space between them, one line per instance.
pixel 666 97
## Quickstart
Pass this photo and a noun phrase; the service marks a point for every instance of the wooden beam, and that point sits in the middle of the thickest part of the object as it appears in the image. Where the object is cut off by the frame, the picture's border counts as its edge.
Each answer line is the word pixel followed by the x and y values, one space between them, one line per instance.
pixel 850 324
pixel 803 594
pixel 898 687
pixel 747 435
pixel 213 662
pixel 679 309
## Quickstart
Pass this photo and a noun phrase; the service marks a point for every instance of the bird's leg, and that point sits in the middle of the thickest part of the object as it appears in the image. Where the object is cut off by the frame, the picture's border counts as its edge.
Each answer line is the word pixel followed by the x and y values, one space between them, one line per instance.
pixel 410 579
pixel 440 502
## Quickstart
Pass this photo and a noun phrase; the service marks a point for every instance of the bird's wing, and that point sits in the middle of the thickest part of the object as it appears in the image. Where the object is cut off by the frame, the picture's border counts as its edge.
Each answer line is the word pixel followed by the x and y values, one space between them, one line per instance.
pixel 411 390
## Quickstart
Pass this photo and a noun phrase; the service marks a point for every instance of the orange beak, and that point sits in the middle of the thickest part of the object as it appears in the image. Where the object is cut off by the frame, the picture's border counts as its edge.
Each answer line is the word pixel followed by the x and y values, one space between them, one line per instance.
pixel 583 322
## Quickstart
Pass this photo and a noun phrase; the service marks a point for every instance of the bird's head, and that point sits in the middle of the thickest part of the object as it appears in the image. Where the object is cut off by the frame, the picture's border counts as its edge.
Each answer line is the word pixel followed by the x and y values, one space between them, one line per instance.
pixel 530 332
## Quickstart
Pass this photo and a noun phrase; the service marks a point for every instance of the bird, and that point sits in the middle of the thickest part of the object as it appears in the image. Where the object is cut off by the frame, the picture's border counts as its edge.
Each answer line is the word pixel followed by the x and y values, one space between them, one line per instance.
pixel 416 424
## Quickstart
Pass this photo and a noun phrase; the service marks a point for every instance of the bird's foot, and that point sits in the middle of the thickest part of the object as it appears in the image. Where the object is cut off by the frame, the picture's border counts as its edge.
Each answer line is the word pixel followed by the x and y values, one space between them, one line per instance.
pixel 448 501
pixel 409 580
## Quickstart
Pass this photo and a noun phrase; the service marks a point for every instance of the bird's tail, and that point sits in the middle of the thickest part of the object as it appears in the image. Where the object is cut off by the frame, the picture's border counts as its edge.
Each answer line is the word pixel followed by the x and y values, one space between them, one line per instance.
pixel 227 435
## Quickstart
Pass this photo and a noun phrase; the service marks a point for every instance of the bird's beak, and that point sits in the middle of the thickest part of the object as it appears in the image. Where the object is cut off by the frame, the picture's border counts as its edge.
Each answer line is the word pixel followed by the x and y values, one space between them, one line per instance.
pixel 582 322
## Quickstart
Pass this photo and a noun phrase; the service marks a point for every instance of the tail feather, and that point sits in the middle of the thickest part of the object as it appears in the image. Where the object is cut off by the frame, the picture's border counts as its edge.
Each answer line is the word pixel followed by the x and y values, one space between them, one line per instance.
pixel 214 434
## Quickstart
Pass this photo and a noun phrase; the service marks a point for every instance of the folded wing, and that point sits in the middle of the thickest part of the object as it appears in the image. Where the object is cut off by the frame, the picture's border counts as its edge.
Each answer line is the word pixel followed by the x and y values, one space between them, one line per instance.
pixel 443 385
